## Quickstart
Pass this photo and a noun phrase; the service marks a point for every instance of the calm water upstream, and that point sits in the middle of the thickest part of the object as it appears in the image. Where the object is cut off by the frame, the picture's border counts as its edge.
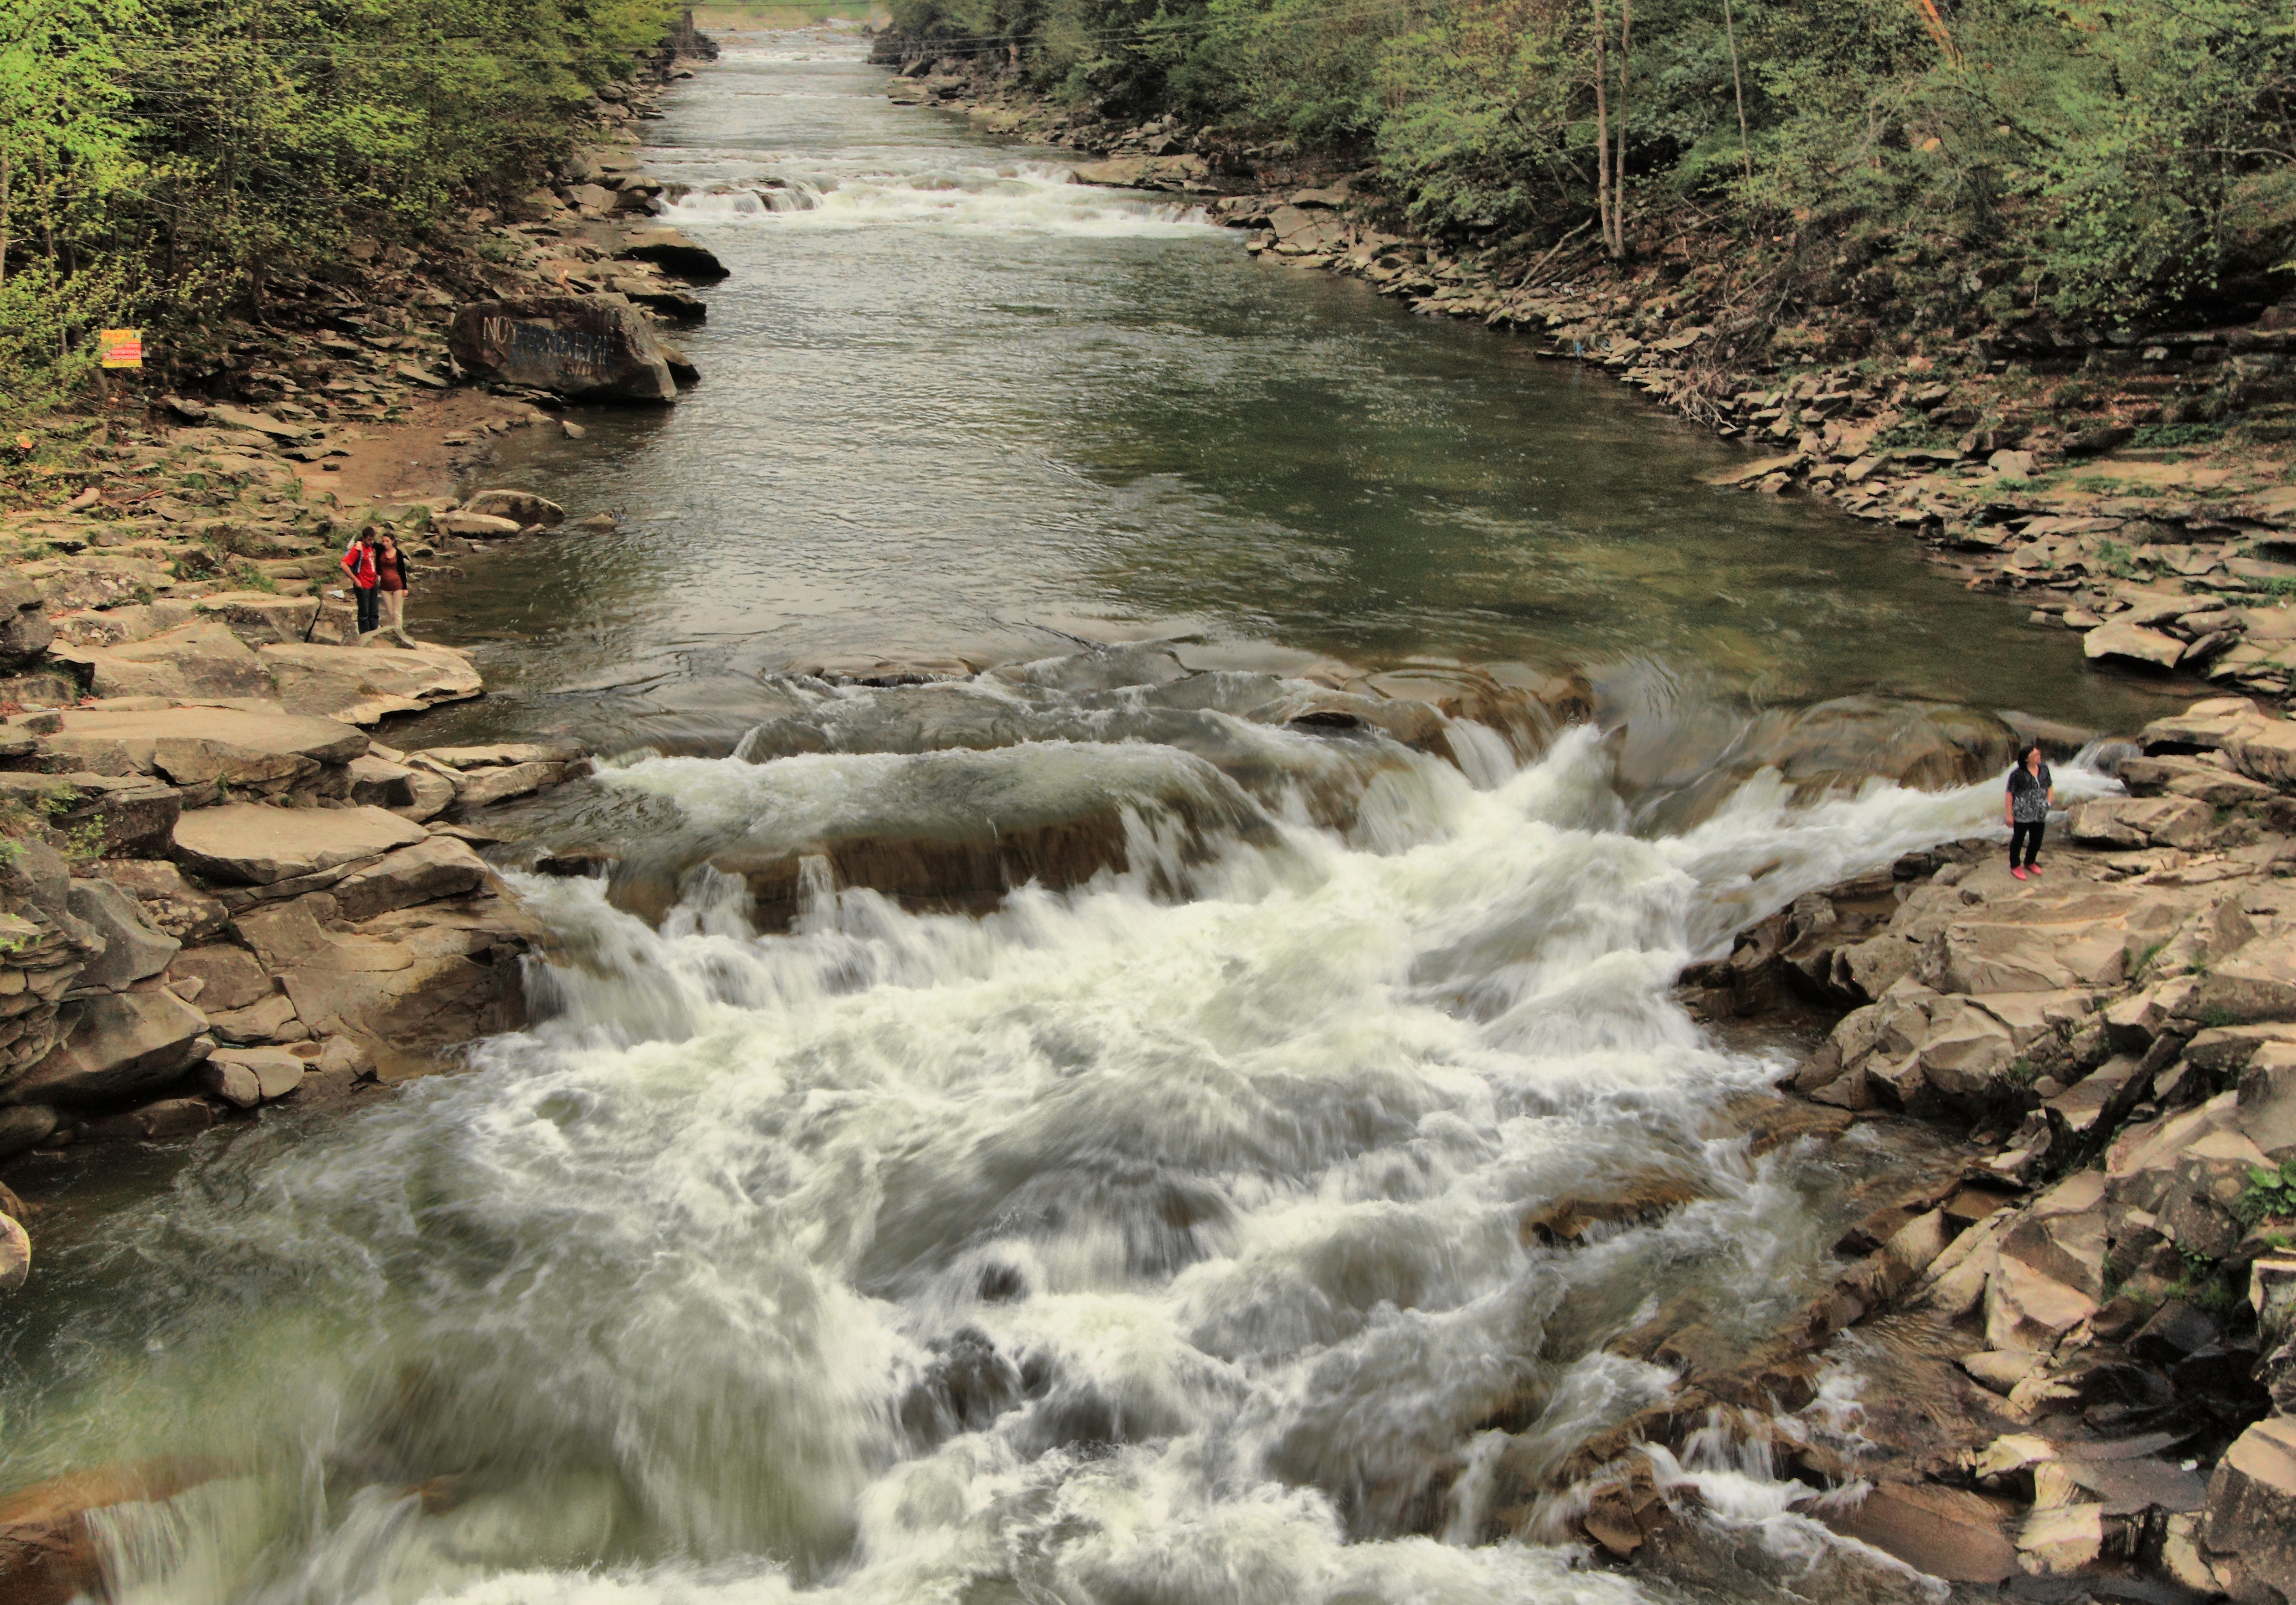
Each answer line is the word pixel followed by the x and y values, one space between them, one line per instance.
pixel 959 399
pixel 1159 1241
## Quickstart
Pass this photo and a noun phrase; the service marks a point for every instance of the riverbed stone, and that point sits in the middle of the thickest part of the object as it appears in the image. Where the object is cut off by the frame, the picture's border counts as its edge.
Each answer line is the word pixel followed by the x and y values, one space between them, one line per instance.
pixel 2249 1532
pixel 193 661
pixel 168 1117
pixel 592 347
pixel 275 1072
pixel 172 904
pixel 23 1124
pixel 674 252
pixel 474 525
pixel 251 844
pixel 1945 1532
pixel 120 1045
pixel 521 507
pixel 132 949
pixel 2136 822
pixel 410 982
pixel 438 867
pixel 15 1254
pixel 233 1083
pixel 270 1018
pixel 2132 643
pixel 198 745
pixel 362 685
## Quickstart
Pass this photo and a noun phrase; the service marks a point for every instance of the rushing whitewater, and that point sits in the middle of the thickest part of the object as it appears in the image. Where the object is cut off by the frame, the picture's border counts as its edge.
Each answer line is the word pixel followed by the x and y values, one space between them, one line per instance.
pixel 1108 1247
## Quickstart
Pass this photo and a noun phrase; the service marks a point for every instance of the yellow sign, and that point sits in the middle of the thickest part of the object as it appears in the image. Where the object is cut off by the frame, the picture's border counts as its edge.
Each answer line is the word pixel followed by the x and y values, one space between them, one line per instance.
pixel 122 348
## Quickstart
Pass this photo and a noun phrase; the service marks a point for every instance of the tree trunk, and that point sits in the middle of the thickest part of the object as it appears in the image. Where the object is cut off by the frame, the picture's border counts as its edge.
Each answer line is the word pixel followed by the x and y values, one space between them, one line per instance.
pixel 4 176
pixel 1738 86
pixel 1602 129
pixel 1618 167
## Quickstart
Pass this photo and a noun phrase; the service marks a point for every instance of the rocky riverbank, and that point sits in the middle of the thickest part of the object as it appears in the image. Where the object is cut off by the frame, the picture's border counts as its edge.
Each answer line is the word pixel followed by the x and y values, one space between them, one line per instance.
pixel 2115 483
pixel 2082 1358
pixel 220 889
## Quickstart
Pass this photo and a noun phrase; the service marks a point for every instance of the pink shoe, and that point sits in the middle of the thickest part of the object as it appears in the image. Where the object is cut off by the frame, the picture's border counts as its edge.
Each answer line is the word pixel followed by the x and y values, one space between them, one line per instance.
pixel 2016 871
pixel 2033 869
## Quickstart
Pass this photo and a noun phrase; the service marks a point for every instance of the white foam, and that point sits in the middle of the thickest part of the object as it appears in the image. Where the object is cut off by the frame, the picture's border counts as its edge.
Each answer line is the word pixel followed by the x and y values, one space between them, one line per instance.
pixel 1253 1165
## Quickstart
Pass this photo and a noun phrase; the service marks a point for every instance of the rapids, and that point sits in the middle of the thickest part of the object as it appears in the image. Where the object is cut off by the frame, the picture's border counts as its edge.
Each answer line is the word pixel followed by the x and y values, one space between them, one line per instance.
pixel 1160 1239
pixel 1110 1246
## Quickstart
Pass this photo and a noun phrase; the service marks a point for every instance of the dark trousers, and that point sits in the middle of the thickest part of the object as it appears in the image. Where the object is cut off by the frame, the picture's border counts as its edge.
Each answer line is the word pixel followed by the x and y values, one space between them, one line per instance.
pixel 2029 837
pixel 370 610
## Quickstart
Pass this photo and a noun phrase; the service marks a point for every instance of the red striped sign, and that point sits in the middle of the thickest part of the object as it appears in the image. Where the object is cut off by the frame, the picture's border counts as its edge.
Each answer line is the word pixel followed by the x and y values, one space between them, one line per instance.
pixel 122 348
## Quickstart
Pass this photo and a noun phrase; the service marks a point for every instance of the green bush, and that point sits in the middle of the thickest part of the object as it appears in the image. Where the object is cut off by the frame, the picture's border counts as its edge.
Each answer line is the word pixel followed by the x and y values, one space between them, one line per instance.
pixel 159 156
pixel 2096 159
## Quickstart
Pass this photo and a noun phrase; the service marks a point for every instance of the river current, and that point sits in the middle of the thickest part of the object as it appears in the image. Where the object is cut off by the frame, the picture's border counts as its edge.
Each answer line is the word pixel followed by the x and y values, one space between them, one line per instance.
pixel 1160 1241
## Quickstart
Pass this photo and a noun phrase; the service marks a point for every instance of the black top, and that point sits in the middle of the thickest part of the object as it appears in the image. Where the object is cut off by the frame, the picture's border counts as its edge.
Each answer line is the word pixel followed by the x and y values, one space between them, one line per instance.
pixel 2029 794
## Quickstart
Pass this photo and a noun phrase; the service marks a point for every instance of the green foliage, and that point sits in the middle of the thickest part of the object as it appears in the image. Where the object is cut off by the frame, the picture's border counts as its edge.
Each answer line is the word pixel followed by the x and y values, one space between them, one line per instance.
pixel 2158 437
pixel 2270 1194
pixel 161 159
pixel 2121 563
pixel 2208 1284
pixel 83 844
pixel 2099 158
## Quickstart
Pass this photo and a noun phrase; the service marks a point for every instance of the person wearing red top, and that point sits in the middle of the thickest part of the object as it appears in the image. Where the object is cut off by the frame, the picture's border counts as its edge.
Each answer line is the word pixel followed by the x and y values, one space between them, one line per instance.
pixel 358 563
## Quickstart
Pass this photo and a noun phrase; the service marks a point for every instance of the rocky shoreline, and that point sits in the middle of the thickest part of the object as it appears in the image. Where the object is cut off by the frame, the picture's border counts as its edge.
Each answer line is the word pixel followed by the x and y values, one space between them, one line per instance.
pixel 2100 1309
pixel 219 888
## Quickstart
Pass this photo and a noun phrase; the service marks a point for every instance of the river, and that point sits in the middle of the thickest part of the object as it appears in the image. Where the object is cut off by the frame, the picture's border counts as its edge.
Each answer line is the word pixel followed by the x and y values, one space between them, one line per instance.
pixel 1157 1241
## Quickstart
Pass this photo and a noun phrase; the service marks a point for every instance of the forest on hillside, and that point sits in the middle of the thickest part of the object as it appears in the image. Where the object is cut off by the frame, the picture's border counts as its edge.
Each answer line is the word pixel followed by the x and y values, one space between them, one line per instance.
pixel 163 160
pixel 2096 159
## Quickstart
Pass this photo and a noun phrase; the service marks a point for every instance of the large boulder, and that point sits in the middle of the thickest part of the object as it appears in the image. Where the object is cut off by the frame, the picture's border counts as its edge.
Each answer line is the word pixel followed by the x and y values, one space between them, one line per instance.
pixel 132 949
pixel 120 1045
pixel 2249 1535
pixel 588 348
pixel 416 981
pixel 361 685
pixel 193 661
pixel 250 844
pixel 2135 822
pixel 2134 643
pixel 25 632
pixel 673 253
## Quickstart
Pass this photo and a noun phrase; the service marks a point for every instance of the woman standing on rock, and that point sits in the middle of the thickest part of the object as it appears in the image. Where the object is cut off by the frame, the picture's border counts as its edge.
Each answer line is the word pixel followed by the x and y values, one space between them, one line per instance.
pixel 390 585
pixel 2031 789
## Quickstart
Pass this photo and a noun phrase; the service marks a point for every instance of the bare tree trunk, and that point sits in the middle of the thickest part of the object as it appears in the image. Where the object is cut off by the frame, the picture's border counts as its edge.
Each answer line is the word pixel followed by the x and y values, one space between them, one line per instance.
pixel 1602 130
pixel 1738 86
pixel 1618 167
pixel 4 177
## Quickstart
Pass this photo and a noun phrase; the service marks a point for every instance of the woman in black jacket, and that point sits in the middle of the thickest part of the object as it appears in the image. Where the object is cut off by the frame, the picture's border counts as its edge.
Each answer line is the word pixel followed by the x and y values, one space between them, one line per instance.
pixel 2026 803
